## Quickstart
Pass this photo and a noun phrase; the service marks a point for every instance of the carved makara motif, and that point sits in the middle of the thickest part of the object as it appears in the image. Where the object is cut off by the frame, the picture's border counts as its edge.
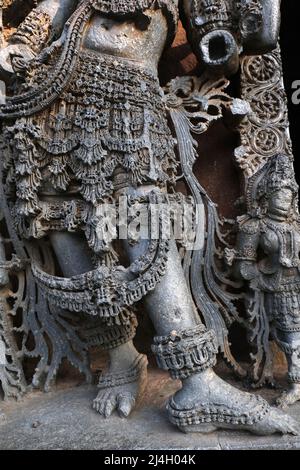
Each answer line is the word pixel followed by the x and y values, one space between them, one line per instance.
pixel 223 28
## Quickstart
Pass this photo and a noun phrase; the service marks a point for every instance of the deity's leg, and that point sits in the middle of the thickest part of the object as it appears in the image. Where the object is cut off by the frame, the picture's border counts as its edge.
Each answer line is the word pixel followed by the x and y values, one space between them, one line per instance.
pixel 185 348
pixel 125 380
pixel 289 342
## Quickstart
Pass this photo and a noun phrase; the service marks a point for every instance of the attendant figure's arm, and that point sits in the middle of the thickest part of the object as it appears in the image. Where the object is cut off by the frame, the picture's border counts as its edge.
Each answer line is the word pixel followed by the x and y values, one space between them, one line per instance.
pixel 246 262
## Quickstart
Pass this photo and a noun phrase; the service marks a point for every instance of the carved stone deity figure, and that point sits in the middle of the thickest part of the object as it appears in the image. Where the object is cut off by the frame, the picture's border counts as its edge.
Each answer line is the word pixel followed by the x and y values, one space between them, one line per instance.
pixel 268 257
pixel 87 123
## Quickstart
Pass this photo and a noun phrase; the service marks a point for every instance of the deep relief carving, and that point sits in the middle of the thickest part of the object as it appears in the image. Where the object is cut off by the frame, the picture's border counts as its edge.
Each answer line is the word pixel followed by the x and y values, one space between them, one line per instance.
pixel 34 32
pixel 85 126
pixel 267 254
pixel 265 132
pixel 271 232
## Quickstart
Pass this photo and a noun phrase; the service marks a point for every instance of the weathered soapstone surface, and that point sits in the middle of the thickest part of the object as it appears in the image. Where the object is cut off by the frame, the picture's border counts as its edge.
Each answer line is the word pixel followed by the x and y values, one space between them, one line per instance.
pixel 64 420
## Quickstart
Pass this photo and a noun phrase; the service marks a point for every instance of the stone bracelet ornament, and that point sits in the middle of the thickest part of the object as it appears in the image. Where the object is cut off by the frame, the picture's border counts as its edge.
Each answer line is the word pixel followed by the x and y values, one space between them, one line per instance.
pixel 34 32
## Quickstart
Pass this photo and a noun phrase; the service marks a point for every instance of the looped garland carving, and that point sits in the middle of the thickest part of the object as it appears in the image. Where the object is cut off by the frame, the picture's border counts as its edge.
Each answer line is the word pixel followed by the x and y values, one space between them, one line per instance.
pixel 264 133
pixel 108 335
pixel 107 291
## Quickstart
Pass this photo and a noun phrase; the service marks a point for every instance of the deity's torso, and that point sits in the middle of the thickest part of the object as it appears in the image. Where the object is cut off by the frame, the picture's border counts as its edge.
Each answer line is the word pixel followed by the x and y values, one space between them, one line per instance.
pixel 138 30
pixel 142 39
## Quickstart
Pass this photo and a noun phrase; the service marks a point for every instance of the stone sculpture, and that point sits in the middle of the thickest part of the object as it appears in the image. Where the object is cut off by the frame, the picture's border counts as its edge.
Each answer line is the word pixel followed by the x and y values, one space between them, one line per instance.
pixel 264 135
pixel 86 125
pixel 268 257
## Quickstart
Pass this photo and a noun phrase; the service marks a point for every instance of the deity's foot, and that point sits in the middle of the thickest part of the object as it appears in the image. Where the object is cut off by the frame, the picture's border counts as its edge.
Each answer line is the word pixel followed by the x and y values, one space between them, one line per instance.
pixel 207 403
pixel 289 397
pixel 120 390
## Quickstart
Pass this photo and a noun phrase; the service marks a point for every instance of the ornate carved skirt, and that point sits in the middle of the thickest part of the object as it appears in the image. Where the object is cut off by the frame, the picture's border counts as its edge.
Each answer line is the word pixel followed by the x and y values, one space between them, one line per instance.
pixel 109 128
pixel 67 160
pixel 283 306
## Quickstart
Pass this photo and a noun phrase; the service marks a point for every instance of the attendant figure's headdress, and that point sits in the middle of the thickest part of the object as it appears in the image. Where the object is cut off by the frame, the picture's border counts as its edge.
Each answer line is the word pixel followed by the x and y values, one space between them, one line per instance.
pixel 277 174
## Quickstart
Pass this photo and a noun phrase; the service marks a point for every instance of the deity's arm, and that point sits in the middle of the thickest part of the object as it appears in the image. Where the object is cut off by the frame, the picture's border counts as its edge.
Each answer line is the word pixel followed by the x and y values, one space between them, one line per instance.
pixel 45 23
pixel 42 26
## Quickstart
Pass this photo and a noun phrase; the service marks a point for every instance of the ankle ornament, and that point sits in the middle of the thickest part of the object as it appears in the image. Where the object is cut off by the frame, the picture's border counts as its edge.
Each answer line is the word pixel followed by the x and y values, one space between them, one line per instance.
pixel 186 352
pixel 255 410
pixel 125 377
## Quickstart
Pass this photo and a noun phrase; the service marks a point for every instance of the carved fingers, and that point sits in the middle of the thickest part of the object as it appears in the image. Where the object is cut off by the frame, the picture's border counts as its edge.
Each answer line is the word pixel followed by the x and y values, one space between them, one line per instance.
pixel 13 58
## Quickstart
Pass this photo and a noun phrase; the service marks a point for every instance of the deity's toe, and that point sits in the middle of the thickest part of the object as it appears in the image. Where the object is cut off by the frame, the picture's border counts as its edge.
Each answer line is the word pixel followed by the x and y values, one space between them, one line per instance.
pixel 126 404
pixel 100 402
pixel 286 424
pixel 110 406
pixel 2 417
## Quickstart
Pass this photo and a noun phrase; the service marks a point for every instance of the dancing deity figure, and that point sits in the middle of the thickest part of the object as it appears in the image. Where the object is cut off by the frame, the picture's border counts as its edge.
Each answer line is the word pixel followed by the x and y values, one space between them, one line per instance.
pixel 87 125
pixel 268 257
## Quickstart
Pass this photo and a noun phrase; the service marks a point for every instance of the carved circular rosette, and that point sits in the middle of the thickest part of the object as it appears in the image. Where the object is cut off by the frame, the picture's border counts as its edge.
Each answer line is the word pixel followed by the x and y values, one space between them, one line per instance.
pixel 267 106
pixel 266 141
pixel 260 70
pixel 265 132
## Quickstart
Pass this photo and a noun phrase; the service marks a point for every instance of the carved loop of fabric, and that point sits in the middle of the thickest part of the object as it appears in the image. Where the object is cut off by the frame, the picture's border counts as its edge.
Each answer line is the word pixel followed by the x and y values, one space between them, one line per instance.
pixel 110 337
pixel 106 291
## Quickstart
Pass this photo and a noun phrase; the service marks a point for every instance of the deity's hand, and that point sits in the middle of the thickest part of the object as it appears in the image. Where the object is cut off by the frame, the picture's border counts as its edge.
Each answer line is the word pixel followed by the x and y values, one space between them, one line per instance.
pixel 12 58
